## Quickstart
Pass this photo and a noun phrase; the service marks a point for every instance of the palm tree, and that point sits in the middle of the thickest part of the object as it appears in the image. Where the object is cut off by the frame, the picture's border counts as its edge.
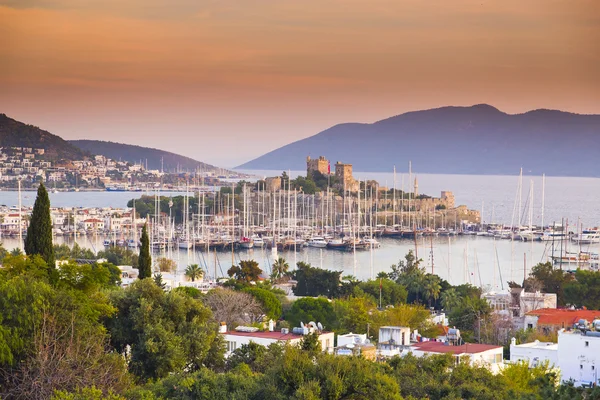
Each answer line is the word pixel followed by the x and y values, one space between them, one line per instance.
pixel 450 299
pixel 432 287
pixel 193 272
pixel 280 269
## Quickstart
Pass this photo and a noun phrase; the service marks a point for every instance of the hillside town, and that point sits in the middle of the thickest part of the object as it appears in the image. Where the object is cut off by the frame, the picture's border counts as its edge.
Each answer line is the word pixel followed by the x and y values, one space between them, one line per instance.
pixel 29 166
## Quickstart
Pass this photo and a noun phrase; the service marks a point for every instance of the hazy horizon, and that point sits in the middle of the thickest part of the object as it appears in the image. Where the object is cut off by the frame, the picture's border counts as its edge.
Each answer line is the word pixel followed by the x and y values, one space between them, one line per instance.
pixel 225 82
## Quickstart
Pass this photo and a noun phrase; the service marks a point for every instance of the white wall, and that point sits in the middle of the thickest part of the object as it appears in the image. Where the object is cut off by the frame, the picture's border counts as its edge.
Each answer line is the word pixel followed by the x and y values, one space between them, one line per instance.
pixel 535 353
pixel 578 357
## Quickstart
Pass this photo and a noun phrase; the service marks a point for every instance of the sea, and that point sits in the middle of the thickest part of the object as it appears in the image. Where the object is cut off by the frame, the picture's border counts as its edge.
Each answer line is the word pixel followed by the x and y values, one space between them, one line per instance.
pixel 482 261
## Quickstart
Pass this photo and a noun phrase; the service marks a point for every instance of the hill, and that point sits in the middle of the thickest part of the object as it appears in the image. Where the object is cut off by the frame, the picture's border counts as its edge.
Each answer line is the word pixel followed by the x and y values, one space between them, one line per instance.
pixel 455 140
pixel 171 162
pixel 17 134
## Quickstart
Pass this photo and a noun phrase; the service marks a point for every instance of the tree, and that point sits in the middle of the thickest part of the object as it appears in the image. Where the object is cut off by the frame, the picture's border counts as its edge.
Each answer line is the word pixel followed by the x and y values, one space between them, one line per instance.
pixel 233 307
pixel 51 337
pixel 166 264
pixel 431 287
pixel 450 299
pixel 246 354
pixel 270 303
pixel 280 270
pixel 39 232
pixel 310 309
pixel 158 280
pixel 392 293
pixel 316 281
pixel 193 272
pixel 144 259
pixel 553 280
pixel 161 332
pixel 311 342
pixel 247 271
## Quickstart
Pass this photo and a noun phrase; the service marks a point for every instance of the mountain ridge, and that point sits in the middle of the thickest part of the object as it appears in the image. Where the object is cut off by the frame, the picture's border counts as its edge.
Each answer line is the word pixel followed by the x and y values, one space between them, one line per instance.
pixel 15 133
pixel 479 139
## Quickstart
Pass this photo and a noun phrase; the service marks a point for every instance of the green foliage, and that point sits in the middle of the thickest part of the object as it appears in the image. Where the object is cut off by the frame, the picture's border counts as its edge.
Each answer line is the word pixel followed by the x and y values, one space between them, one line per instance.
pixel 189 291
pixel 144 259
pixel 392 293
pixel 310 309
pixel 63 251
pixel 166 332
pixel 88 278
pixel 354 314
pixel 248 354
pixel 39 232
pixel 85 394
pixel 584 290
pixel 311 343
pixel 158 280
pixel 316 281
pixel 280 270
pixel 270 303
pixel 247 271
pixel 193 272
pixel 117 255
pixel 51 337
pixel 552 280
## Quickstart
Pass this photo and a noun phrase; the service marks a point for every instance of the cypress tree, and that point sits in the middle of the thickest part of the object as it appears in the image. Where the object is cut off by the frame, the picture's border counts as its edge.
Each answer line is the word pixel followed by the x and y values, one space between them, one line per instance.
pixel 144 260
pixel 39 232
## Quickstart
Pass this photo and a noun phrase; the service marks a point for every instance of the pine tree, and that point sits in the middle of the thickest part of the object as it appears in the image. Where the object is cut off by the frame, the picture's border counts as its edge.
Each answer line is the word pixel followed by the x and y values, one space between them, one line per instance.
pixel 145 260
pixel 39 232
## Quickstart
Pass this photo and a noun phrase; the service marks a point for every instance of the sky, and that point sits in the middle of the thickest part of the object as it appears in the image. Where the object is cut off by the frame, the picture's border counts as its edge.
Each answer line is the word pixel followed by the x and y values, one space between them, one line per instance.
pixel 225 81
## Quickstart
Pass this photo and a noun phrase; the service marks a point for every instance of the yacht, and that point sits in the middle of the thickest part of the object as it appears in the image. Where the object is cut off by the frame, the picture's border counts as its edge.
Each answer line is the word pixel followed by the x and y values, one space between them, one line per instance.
pixel 317 241
pixel 372 242
pixel 587 236
pixel 258 241
pixel 246 243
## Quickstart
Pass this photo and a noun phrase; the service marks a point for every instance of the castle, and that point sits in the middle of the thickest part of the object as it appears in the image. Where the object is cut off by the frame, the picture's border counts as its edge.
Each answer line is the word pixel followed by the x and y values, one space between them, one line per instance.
pixel 343 172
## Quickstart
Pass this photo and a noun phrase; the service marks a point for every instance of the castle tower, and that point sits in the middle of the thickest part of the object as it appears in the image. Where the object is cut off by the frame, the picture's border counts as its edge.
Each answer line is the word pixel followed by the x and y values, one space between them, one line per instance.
pixel 320 164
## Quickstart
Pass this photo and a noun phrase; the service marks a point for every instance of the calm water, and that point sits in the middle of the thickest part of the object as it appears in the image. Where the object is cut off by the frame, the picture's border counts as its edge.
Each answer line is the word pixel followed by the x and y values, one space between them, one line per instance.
pixel 478 260
pixel 481 261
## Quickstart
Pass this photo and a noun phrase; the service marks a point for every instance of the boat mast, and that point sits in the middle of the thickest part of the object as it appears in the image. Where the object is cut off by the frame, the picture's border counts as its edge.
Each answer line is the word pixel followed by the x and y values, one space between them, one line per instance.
pixel 21 219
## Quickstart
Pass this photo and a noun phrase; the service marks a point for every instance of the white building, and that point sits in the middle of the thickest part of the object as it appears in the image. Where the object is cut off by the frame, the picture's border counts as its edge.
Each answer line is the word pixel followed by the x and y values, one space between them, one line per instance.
pixel 392 340
pixel 484 355
pixel 245 335
pixel 517 303
pixel 576 355
pixel 534 353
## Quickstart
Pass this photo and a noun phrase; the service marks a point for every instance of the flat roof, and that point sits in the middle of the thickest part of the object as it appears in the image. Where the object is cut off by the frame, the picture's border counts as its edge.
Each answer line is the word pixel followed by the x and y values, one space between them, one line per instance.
pixel 275 335
pixel 441 347
pixel 539 345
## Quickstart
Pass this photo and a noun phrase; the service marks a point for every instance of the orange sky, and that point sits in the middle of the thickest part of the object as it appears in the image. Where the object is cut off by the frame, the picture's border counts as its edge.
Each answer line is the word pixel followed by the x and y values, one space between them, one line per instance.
pixel 225 81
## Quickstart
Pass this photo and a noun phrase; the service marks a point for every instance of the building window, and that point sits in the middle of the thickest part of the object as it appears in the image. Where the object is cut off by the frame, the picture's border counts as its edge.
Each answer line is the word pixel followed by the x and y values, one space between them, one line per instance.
pixel 580 366
pixel 529 326
pixel 231 346
pixel 587 344
pixel 593 367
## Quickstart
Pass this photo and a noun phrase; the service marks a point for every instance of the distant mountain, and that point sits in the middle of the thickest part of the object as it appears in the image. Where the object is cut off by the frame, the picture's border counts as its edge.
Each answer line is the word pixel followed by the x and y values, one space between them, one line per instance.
pixel 455 140
pixel 17 134
pixel 171 162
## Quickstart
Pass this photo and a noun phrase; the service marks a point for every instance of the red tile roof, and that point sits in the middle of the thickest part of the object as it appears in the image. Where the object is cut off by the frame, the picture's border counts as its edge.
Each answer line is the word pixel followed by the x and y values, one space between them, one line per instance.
pixel 563 316
pixel 440 347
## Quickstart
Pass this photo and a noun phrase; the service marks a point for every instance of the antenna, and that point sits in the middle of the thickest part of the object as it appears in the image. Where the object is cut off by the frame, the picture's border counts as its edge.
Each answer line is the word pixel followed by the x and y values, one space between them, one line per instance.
pixel 301 324
pixel 320 326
